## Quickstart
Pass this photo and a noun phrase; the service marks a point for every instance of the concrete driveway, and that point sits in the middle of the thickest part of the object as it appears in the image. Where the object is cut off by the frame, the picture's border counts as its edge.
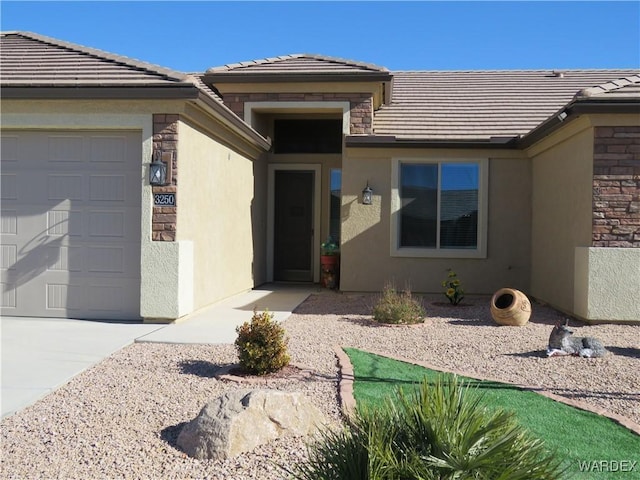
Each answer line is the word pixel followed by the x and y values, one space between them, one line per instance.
pixel 40 355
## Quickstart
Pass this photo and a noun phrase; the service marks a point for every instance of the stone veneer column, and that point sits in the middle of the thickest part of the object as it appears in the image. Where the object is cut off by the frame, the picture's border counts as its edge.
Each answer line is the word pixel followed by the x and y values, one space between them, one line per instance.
pixel 165 141
pixel 360 104
pixel 616 187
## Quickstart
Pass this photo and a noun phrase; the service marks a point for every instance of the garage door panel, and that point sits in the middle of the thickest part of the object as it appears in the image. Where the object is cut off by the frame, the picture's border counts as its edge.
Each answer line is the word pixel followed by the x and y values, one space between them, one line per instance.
pixel 108 149
pixel 107 188
pixel 63 223
pixel 65 148
pixel 9 148
pixel 8 295
pixel 66 259
pixel 71 224
pixel 8 256
pixel 8 222
pixel 65 187
pixel 9 186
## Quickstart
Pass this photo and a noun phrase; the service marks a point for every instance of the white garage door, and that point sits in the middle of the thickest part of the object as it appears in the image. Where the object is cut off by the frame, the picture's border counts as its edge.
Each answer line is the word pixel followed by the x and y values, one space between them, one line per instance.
pixel 70 230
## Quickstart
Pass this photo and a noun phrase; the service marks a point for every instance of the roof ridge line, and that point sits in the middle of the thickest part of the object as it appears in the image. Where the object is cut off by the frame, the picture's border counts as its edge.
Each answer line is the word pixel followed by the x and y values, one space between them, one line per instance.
pixel 609 86
pixel 281 58
pixel 519 70
pixel 95 52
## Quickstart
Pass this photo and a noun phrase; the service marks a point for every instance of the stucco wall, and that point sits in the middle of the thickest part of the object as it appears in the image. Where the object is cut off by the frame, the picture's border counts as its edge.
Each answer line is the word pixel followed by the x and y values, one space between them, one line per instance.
pixel 175 276
pixel 562 216
pixel 218 213
pixel 366 260
pixel 607 284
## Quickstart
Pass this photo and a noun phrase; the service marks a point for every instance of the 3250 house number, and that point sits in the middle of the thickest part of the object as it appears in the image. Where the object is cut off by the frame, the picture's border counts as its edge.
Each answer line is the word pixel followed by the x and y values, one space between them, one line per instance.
pixel 164 199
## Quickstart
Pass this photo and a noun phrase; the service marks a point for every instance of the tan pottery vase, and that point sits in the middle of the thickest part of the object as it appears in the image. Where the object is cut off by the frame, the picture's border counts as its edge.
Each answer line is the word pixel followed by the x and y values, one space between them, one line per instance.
pixel 510 307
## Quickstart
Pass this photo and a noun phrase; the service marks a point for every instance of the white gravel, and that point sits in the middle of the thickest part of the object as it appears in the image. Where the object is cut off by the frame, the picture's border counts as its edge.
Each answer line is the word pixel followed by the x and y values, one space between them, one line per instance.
pixel 120 418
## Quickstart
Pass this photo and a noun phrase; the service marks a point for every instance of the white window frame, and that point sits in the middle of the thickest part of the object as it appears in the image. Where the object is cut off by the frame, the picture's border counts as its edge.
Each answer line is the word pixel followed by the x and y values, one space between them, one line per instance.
pixel 426 252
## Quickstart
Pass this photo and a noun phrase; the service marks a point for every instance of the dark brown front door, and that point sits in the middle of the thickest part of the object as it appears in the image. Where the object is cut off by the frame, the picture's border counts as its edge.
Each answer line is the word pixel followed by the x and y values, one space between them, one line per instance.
pixel 293 229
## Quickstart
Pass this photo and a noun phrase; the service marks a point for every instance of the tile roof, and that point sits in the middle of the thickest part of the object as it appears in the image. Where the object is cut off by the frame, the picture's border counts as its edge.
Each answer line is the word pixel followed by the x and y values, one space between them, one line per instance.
pixel 36 66
pixel 301 63
pixel 425 105
pixel 621 88
pixel 478 105
pixel 28 59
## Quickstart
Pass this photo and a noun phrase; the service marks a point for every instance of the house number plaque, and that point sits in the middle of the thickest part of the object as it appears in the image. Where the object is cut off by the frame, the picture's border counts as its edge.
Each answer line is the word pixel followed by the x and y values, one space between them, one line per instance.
pixel 164 199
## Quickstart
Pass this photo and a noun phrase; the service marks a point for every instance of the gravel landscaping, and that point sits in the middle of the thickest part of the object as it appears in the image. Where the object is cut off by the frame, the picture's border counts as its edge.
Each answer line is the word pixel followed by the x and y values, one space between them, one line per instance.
pixel 120 418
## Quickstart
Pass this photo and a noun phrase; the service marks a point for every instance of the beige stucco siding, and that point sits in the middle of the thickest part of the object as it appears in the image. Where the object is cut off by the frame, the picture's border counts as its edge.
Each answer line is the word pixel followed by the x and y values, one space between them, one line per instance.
pixel 216 206
pixel 178 277
pixel 367 263
pixel 561 220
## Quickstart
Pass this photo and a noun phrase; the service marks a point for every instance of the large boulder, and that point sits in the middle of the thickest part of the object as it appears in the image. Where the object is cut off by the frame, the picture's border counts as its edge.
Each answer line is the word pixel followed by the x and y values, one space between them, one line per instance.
pixel 240 420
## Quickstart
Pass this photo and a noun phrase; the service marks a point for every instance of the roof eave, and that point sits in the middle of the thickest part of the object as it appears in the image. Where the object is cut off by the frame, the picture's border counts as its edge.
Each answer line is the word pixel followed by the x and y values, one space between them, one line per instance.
pixel 238 125
pixel 575 108
pixel 223 77
pixel 391 141
pixel 146 92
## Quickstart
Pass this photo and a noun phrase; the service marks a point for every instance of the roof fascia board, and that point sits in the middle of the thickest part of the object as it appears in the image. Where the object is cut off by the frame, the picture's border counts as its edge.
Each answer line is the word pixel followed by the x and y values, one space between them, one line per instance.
pixel 356 141
pixel 607 106
pixel 199 115
pixel 187 91
pixel 298 87
pixel 574 109
pixel 227 117
pixel 214 78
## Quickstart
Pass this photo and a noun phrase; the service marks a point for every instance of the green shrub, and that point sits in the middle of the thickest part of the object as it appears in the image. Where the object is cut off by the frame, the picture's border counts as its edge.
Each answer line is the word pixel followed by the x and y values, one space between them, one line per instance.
pixel 398 308
pixel 440 431
pixel 261 345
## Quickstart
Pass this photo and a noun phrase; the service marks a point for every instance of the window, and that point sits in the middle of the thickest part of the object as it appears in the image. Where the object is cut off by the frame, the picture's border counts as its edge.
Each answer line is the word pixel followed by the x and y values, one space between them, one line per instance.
pixel 438 208
pixel 307 136
pixel 335 200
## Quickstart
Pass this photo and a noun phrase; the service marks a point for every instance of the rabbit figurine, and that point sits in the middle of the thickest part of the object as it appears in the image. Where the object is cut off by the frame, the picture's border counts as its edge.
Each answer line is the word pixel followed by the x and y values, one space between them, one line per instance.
pixel 561 342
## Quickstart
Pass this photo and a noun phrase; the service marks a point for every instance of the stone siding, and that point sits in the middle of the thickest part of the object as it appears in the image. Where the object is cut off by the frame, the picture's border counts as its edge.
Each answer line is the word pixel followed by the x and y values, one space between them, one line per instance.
pixel 616 187
pixel 165 141
pixel 361 105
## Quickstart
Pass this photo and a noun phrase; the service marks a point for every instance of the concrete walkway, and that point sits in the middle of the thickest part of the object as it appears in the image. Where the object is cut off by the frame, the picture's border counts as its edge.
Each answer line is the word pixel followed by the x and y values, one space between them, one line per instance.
pixel 40 355
pixel 217 324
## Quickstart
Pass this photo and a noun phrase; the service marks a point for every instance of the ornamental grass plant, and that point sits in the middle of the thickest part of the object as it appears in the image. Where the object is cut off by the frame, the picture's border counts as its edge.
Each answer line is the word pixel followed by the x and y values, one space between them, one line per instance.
pixel 441 430
pixel 395 307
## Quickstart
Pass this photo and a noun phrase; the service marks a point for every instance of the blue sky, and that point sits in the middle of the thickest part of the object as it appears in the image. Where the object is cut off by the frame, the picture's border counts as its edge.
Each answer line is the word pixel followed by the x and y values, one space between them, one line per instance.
pixel 193 36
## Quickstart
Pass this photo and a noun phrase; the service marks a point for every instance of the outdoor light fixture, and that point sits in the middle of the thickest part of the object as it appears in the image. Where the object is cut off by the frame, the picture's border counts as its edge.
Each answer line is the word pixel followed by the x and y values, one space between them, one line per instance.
pixel 157 171
pixel 367 194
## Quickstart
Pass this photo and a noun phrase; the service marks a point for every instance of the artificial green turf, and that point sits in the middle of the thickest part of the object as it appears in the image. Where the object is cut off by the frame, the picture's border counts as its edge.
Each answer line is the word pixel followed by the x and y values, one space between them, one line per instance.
pixel 578 436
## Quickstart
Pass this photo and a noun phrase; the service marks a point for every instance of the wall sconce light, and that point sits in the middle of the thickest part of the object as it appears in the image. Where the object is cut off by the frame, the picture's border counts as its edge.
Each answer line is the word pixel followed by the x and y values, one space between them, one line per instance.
pixel 367 195
pixel 157 171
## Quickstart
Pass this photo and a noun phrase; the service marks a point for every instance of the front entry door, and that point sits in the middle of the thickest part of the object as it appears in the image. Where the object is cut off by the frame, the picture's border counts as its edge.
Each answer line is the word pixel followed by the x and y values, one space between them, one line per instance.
pixel 293 226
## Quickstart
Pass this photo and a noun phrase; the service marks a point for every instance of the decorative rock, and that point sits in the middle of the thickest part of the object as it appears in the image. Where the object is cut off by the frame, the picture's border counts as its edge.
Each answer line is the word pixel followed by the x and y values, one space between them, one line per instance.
pixel 240 420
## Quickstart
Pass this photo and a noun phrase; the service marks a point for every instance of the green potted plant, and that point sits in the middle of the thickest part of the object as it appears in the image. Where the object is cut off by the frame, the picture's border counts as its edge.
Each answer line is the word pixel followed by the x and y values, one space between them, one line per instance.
pixel 330 263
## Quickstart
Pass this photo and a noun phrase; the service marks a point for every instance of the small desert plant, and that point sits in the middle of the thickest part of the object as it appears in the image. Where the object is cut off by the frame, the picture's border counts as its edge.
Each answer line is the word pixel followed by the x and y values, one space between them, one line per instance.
pixel 453 288
pixel 329 247
pixel 398 308
pixel 261 345
pixel 442 430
